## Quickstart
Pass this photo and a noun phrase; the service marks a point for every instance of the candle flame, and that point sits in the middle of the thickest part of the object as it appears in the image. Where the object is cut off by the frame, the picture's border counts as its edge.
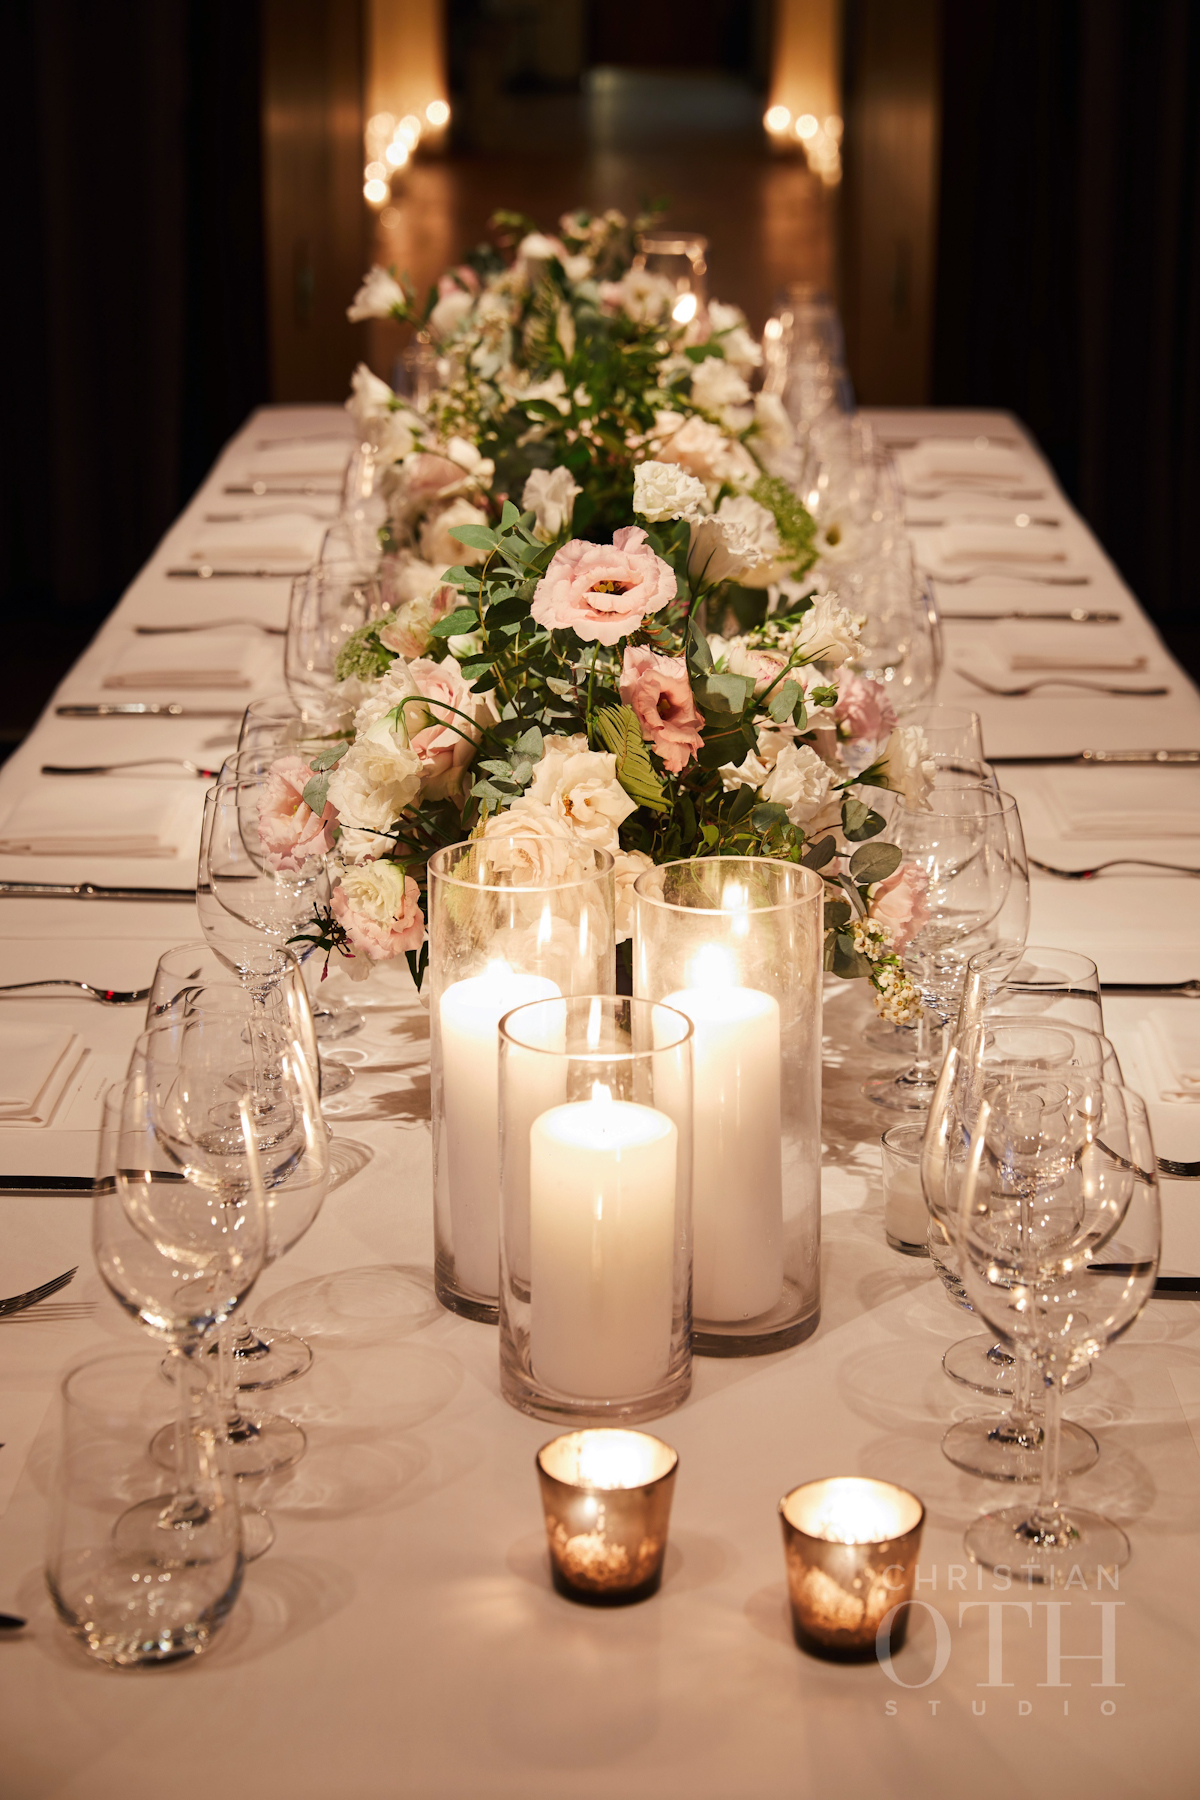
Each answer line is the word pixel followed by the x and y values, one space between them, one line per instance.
pixel 602 1093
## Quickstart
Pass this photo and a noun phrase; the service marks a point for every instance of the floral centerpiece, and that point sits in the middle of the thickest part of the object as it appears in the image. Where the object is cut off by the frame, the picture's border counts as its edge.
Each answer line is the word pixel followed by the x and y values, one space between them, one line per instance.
pixel 556 678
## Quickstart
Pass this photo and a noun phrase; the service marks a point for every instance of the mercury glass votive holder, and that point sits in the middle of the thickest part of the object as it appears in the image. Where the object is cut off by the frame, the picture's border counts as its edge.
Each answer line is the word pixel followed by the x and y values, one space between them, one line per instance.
pixel 851 1547
pixel 736 943
pixel 607 1498
pixel 513 917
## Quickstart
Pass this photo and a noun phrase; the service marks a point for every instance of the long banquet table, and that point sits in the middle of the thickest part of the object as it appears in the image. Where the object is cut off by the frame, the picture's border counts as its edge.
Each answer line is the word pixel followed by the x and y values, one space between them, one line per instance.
pixel 402 1637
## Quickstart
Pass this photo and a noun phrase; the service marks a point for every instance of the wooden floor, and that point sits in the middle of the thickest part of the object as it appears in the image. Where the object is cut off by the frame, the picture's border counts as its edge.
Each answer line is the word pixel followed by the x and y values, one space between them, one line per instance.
pixel 629 137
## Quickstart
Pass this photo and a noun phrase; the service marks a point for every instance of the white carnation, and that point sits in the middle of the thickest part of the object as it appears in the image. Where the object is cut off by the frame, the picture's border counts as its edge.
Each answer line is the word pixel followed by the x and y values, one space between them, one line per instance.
pixel 550 495
pixel 377 298
pixel 799 781
pixel 827 633
pixel 721 551
pixel 717 386
pixel 757 524
pixel 663 490
pixel 741 350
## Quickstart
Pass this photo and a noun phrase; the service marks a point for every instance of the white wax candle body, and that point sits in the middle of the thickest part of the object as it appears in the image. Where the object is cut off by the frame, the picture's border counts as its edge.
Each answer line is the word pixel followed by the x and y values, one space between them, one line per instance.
pixel 905 1214
pixel 602 1179
pixel 737 1164
pixel 470 1013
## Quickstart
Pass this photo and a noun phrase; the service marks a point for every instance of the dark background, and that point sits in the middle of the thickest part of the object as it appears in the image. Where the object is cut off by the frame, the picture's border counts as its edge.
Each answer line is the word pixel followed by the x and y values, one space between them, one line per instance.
pixel 1066 274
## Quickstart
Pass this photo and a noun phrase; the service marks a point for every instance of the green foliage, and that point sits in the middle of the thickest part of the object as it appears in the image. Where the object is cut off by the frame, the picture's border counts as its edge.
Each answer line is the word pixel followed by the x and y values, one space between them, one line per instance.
pixel 795 524
pixel 619 731
pixel 362 655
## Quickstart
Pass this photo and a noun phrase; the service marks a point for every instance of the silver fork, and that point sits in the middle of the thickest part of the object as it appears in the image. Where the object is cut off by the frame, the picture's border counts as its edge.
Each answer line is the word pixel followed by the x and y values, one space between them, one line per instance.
pixel 1117 862
pixel 210 625
pixel 1031 687
pixel 106 996
pixel 18 1302
pixel 1006 574
pixel 145 762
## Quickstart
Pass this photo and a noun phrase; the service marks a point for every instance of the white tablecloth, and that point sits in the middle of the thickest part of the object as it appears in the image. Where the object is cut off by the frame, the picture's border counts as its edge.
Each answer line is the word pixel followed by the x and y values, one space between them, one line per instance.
pixel 402 1637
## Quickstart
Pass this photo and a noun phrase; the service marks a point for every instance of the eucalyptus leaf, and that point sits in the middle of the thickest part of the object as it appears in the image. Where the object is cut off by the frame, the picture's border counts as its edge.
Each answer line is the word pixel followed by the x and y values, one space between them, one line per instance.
pixel 820 853
pixel 858 820
pixel 783 701
pixel 480 537
pixel 874 862
pixel 463 619
pixel 767 816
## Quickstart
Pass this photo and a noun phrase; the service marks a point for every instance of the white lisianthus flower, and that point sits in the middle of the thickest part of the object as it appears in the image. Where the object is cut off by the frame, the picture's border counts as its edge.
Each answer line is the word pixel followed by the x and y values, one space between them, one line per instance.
pixel 377 298
pixel 827 633
pixel 752 772
pixel 444 551
pixel 908 765
pixel 717 386
pixel 627 866
pixel 550 495
pixel 721 551
pixel 479 467
pixel 799 781
pixel 376 779
pixel 394 435
pixel 370 398
pixel 665 491
pixel 741 350
pixel 450 314
pixel 645 297
pixel 580 787
pixel 757 523
pixel 775 429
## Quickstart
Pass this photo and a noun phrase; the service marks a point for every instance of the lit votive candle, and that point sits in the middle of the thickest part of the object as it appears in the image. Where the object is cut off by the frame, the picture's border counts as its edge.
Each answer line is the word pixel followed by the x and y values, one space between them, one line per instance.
pixel 607 1497
pixel 851 1547
pixel 602 1182
pixel 905 1214
pixel 470 1015
pixel 737 1173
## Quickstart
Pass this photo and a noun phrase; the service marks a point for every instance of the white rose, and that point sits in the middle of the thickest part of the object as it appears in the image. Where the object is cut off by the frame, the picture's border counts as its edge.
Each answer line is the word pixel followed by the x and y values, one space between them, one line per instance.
pixel 375 889
pixel 909 768
pixel 665 491
pixel 799 781
pixel 376 779
pixel 717 386
pixel 450 313
pixel 703 448
pixel 550 494
pixel 757 524
pixel 742 657
pixel 580 787
pixel 369 397
pixel 721 551
pixel 378 296
pixel 645 297
pixel 542 849
pixel 826 633
pixel 627 866
pixel 444 551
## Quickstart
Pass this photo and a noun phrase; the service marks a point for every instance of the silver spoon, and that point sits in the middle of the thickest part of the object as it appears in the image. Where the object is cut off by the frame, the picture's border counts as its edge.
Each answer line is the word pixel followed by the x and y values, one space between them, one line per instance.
pixel 1031 687
pixel 106 996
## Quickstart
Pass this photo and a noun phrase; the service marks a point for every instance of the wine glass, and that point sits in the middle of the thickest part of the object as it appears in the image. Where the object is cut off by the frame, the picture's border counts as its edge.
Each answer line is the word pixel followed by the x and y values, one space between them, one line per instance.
pixel 265 1356
pixel 180 1260
pixel 328 604
pixel 1059 1234
pixel 967 843
pixel 1035 981
pixel 195 1070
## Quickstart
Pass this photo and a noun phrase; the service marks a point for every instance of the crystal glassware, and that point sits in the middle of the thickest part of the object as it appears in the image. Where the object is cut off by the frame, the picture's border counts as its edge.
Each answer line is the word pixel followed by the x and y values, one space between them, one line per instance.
pixel 329 603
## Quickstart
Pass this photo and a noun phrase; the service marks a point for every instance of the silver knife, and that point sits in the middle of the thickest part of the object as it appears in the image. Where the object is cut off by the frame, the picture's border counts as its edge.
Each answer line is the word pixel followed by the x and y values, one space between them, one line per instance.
pixel 214 625
pixel 47 1184
pixel 1187 990
pixel 206 572
pixel 270 487
pixel 89 890
pixel 143 709
pixel 1166 1287
pixel 1078 615
pixel 1106 756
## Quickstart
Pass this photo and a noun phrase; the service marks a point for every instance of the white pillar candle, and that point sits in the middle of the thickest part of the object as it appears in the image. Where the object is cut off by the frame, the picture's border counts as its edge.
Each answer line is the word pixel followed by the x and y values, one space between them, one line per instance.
pixel 737 1163
pixel 602 1176
pixel 905 1214
pixel 470 1014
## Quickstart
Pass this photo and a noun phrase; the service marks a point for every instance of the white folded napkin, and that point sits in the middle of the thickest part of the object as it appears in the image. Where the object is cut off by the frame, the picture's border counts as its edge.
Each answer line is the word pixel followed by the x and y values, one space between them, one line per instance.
pixel 127 818
pixel 277 537
pixel 1123 804
pixel 963 543
pixel 36 1063
pixel 961 462
pixel 1173 1042
pixel 322 459
pixel 202 659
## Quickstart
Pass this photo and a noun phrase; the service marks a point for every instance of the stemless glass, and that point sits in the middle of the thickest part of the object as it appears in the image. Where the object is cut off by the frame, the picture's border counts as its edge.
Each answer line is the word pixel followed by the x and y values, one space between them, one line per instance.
pixel 1035 981
pixel 1059 1238
pixel 967 842
pixel 166 1595
pixel 329 603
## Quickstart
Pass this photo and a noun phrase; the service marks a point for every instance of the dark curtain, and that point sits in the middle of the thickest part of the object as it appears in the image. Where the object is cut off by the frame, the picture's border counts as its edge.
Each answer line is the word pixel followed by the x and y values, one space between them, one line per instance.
pixel 1068 272
pixel 137 341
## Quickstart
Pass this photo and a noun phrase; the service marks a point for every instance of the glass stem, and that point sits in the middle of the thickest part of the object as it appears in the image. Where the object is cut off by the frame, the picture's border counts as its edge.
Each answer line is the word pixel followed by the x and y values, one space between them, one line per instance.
pixel 920 1071
pixel 1049 1505
pixel 186 1506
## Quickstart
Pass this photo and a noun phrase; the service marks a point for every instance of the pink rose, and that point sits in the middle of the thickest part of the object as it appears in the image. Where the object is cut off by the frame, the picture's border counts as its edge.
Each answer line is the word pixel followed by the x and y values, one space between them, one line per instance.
pixel 288 831
pixel 602 592
pixel 901 902
pixel 427 474
pixel 379 909
pixel 658 690
pixel 864 708
pixel 444 731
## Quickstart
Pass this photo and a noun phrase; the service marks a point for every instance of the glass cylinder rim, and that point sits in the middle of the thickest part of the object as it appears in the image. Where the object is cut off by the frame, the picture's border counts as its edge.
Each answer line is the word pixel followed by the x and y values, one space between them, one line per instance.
pixel 605 863
pixel 872 1481
pixel 720 912
pixel 597 1055
pixel 986 959
pixel 595 1487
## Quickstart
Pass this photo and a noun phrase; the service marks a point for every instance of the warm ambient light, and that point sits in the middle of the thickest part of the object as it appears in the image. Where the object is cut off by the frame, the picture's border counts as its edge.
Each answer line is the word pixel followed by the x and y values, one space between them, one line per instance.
pixel 397 154
pixel 807 126
pixel 409 130
pixel 777 118
pixel 376 191
pixel 438 113
pixel 381 124
pixel 375 171
pixel 684 309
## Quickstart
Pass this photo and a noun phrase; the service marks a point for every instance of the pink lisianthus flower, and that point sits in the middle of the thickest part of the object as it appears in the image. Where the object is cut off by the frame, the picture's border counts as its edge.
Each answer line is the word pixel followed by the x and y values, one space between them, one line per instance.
pixel 602 592
pixel 445 730
pixel 863 708
pixel 378 907
pixel 901 903
pixel 659 692
pixel 289 832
